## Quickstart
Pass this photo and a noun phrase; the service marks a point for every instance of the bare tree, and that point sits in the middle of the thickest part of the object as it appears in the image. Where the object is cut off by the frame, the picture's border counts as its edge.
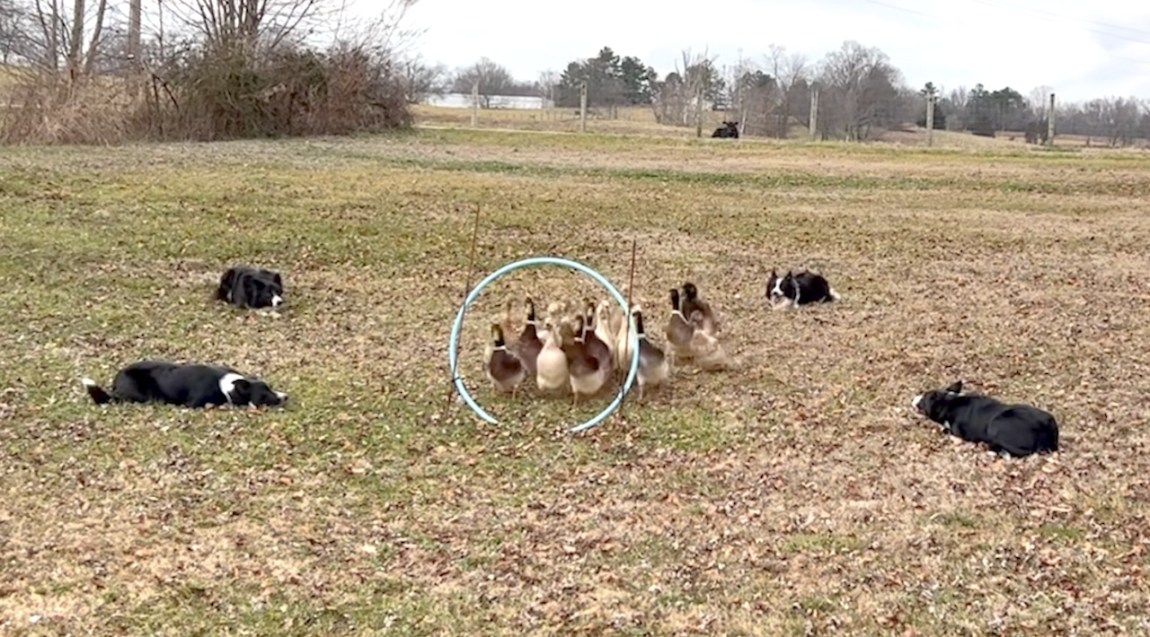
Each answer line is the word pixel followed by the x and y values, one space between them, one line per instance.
pixel 685 90
pixel 956 102
pixel 249 23
pixel 54 34
pixel 422 80
pixel 1040 100
pixel 741 99
pixel 1117 118
pixel 791 73
pixel 384 33
pixel 12 25
pixel 547 84
pixel 859 92
pixel 493 79
pixel 756 99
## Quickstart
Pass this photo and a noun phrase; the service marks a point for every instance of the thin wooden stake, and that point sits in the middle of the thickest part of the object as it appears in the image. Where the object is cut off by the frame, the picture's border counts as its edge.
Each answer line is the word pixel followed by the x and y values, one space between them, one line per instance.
pixel 466 289
pixel 627 316
pixel 474 244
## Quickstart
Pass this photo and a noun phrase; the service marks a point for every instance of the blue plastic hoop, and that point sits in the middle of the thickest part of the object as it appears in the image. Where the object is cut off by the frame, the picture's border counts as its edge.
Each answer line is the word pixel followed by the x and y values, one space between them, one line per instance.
pixel 457 329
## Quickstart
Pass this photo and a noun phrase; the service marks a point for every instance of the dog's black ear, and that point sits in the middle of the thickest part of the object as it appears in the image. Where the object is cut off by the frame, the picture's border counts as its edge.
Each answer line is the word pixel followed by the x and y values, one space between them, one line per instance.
pixel 227 280
pixel 278 280
pixel 955 387
pixel 241 391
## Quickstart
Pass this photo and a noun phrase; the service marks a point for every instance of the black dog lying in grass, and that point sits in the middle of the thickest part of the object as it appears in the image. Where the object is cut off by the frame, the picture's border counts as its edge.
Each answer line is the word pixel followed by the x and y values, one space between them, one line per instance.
pixel 194 386
pixel 247 287
pixel 1016 430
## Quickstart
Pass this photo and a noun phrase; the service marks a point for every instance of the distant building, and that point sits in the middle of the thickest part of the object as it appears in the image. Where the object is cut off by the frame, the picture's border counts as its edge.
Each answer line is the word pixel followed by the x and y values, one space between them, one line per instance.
pixel 463 100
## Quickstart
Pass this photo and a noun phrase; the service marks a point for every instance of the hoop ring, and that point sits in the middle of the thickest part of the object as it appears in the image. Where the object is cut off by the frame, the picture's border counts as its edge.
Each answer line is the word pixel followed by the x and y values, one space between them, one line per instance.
pixel 457 329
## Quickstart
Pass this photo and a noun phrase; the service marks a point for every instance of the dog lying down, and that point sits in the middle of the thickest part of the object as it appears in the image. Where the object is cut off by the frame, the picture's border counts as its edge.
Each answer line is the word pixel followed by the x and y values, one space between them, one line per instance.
pixel 191 385
pixel 1011 429
pixel 247 287
pixel 802 288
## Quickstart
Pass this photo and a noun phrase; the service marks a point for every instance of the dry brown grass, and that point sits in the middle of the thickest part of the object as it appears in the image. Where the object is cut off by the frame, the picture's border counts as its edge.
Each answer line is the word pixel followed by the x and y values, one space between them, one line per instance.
pixel 795 495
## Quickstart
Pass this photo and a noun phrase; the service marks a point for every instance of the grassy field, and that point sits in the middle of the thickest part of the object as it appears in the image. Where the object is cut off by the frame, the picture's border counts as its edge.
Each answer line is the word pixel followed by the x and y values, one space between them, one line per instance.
pixel 793 495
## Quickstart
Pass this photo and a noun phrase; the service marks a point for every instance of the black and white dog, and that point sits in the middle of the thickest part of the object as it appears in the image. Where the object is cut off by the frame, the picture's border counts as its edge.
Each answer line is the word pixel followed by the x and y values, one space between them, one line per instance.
pixel 799 289
pixel 186 385
pixel 245 286
pixel 1016 430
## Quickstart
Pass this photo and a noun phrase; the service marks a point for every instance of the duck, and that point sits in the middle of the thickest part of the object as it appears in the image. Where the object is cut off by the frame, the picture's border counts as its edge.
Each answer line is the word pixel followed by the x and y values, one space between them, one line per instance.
pixel 605 327
pixel 689 342
pixel 551 363
pixel 654 367
pixel 531 338
pixel 598 346
pixel 679 329
pixel 506 322
pixel 560 315
pixel 614 315
pixel 623 351
pixel 504 368
pixel 587 374
pixel 708 352
pixel 698 311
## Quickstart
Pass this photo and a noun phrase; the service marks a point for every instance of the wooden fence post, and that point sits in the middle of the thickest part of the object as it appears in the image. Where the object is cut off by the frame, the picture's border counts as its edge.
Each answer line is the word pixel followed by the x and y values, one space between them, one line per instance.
pixel 475 104
pixel 699 111
pixel 930 120
pixel 583 107
pixel 814 113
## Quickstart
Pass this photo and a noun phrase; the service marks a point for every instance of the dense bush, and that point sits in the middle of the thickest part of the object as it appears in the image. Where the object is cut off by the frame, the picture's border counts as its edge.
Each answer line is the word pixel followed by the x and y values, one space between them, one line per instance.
pixel 209 93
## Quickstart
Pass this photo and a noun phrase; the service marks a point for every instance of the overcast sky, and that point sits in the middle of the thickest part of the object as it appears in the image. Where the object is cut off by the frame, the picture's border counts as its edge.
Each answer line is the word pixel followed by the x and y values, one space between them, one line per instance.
pixel 1081 48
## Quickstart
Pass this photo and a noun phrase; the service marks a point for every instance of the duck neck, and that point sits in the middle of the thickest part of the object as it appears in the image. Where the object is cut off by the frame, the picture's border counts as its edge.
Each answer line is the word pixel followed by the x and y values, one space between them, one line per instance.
pixel 639 333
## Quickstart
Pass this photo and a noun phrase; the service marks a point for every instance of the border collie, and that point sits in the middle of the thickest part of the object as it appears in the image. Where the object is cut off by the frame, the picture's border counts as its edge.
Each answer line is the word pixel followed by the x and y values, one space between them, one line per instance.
pixel 244 286
pixel 189 385
pixel 799 289
pixel 1012 429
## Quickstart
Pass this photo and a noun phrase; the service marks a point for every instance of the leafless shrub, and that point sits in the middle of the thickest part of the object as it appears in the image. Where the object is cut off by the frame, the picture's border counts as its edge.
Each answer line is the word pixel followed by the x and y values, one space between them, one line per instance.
pixel 290 90
pixel 50 108
pixel 243 69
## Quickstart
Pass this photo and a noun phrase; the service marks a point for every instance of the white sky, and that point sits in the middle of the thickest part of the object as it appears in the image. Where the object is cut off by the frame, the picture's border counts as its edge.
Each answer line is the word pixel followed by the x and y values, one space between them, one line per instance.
pixel 1083 49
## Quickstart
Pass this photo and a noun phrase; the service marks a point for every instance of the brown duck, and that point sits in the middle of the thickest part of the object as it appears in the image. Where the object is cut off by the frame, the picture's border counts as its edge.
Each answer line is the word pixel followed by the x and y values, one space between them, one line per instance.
pixel 504 368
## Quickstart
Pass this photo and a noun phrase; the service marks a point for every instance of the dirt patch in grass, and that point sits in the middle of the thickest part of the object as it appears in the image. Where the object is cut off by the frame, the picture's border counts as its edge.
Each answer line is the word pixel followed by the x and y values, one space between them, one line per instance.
pixel 795 494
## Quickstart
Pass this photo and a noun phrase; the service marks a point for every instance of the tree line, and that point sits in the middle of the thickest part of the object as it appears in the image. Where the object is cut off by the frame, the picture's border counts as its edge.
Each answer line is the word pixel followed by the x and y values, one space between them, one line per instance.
pixel 860 93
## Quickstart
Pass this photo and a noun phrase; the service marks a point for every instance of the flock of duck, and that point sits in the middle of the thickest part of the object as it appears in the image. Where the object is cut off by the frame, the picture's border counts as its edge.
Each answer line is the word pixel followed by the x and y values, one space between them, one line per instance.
pixel 583 345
